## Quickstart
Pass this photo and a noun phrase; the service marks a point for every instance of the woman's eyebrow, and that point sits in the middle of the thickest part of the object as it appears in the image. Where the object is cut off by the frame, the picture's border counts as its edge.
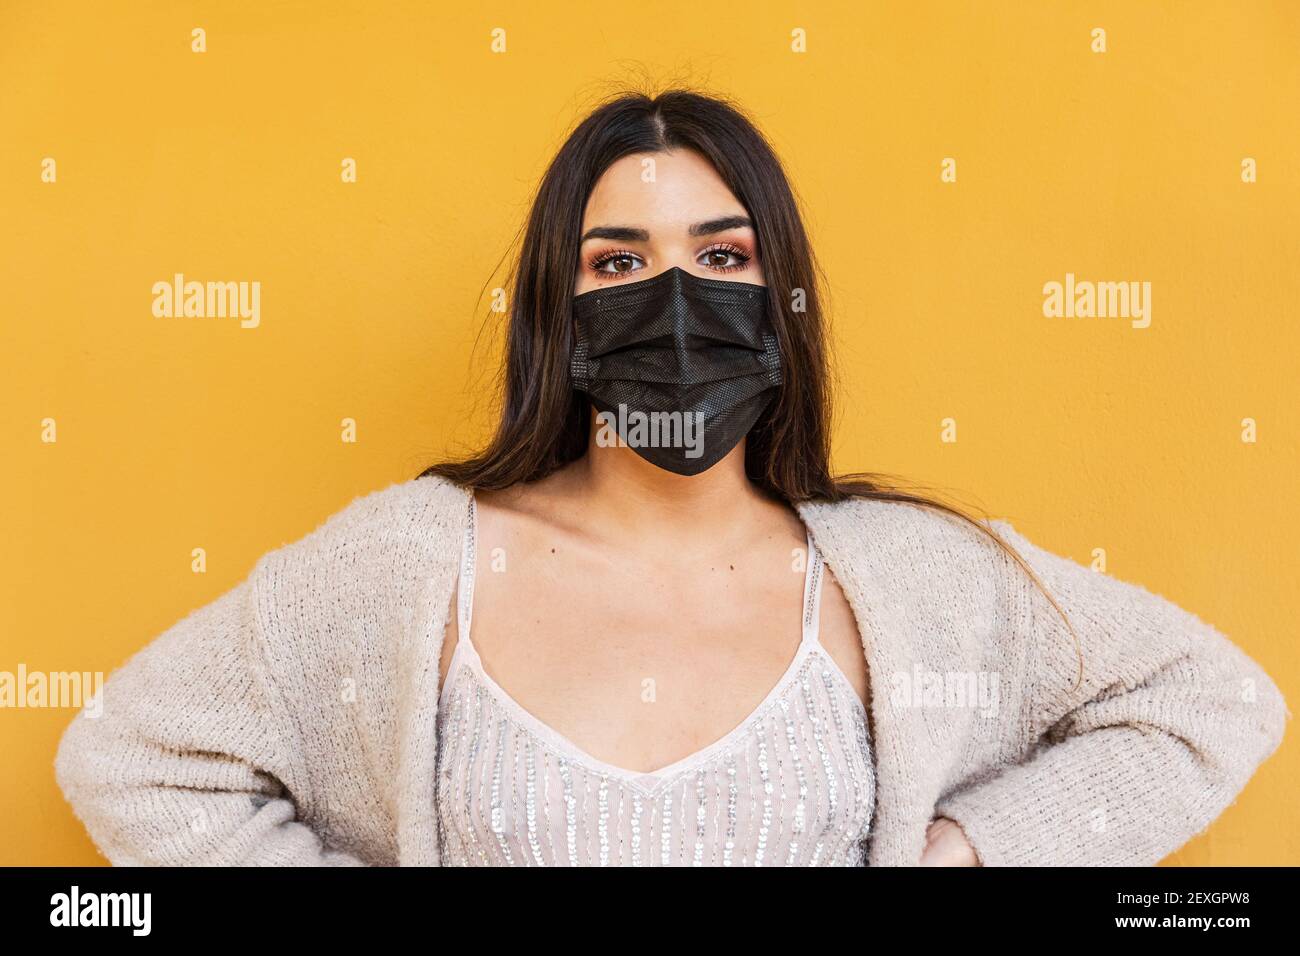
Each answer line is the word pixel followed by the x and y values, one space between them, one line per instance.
pixel 721 224
pixel 632 234
pixel 620 233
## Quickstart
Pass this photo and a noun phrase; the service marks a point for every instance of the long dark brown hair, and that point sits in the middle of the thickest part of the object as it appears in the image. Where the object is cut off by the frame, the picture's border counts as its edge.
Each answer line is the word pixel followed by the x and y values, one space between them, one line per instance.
pixel 545 424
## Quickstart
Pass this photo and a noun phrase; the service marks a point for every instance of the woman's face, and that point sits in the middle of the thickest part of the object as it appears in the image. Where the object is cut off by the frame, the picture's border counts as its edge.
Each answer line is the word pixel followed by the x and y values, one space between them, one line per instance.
pixel 652 211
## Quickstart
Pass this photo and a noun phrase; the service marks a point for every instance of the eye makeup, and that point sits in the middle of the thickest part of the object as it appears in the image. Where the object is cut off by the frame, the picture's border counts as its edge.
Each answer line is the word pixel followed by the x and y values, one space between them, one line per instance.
pixel 734 258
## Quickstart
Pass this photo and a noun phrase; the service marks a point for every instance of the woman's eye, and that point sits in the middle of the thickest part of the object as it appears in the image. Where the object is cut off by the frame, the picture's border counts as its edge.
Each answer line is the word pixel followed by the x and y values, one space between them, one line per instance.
pixel 618 263
pixel 723 258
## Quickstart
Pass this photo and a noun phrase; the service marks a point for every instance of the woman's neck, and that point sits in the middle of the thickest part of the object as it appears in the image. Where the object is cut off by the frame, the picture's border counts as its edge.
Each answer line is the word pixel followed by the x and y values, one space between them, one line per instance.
pixel 628 498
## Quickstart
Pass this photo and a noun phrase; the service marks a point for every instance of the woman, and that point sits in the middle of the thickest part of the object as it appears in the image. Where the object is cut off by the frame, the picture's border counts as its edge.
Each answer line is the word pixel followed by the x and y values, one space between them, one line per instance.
pixel 646 626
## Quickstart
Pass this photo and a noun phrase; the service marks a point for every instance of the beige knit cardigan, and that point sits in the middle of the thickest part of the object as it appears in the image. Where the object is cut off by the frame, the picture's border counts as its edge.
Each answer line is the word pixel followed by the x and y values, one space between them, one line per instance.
pixel 291 720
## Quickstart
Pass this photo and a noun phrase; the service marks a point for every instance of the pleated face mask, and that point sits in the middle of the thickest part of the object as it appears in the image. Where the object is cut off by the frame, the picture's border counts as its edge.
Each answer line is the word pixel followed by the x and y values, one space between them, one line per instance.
pixel 679 368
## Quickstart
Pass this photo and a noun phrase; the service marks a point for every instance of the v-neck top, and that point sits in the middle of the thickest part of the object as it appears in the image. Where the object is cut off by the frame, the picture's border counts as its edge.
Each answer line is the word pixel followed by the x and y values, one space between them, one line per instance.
pixel 793 784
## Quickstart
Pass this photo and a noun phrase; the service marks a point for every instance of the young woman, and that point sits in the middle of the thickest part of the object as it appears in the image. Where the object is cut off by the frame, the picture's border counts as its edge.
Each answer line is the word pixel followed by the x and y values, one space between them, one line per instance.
pixel 646 626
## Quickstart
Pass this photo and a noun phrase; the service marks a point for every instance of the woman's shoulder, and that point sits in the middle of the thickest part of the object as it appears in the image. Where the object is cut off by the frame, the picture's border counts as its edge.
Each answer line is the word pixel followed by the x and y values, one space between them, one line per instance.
pixel 415 508
pixel 905 532
pixel 393 537
pixel 341 602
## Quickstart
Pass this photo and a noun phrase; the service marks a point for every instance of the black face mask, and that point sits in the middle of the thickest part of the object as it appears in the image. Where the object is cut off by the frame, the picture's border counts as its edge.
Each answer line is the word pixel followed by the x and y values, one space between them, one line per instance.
pixel 678 367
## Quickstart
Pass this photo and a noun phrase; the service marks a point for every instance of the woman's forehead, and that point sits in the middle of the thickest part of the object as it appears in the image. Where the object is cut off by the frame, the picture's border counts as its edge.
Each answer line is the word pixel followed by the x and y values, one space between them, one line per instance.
pixel 659 191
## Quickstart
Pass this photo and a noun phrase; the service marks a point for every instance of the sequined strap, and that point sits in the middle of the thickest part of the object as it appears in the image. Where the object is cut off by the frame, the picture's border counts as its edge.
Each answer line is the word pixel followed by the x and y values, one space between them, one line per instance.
pixel 812 594
pixel 465 591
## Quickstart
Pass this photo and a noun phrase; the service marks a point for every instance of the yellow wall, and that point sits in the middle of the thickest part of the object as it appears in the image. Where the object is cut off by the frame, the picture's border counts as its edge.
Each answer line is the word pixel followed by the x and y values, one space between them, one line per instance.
pixel 225 165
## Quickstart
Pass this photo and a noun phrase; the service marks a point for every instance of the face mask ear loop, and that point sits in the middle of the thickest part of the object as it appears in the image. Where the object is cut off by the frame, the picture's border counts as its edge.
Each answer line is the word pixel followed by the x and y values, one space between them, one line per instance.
pixel 578 368
pixel 771 358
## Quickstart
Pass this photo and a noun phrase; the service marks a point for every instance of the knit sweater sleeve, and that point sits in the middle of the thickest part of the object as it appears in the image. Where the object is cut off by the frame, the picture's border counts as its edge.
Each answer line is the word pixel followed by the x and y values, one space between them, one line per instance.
pixel 1166 727
pixel 191 756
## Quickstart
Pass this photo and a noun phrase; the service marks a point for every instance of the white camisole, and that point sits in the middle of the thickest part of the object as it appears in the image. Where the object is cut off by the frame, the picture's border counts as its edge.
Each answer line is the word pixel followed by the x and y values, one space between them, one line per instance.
pixel 793 784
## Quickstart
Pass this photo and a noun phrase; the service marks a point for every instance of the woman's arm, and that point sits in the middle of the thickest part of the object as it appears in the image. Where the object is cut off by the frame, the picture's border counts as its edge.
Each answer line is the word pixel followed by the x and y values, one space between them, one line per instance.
pixel 1169 723
pixel 188 762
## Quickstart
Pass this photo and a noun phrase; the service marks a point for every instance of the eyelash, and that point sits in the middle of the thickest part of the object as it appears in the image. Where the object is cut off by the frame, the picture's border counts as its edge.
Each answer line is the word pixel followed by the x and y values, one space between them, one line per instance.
pixel 601 259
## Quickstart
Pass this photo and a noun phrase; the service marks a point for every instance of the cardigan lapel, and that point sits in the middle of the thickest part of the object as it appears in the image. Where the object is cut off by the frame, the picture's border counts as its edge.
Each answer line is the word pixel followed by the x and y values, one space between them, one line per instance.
pixel 418 660
pixel 854 547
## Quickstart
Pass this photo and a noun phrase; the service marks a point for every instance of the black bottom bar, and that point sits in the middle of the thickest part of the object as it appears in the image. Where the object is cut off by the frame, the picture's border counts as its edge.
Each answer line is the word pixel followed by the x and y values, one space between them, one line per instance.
pixel 243 907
